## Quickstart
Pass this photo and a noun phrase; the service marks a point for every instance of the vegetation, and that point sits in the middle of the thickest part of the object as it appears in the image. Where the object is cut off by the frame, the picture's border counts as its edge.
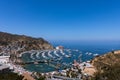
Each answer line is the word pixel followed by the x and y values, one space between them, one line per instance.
pixel 108 67
pixel 10 76
pixel 41 78
pixel 29 43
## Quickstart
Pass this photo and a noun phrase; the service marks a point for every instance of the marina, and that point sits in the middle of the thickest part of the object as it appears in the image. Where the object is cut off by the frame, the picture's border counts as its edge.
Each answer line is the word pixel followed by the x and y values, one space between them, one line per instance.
pixel 57 63
pixel 51 63
pixel 51 58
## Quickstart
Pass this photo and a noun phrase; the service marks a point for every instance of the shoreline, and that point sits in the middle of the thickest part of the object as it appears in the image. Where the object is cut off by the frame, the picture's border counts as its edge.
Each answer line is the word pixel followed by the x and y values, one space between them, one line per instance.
pixel 87 69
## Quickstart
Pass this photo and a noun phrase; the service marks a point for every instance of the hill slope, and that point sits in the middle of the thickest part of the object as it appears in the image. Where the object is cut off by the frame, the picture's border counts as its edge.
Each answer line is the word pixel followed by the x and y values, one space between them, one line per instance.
pixel 108 66
pixel 22 43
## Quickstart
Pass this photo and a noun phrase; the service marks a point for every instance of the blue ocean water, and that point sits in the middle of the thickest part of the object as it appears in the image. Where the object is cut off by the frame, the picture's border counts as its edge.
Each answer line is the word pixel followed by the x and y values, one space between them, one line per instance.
pixel 87 49
pixel 100 47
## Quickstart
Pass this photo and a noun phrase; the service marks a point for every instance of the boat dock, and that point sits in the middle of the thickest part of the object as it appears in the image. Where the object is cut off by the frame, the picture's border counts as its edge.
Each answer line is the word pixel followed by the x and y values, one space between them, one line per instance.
pixel 33 62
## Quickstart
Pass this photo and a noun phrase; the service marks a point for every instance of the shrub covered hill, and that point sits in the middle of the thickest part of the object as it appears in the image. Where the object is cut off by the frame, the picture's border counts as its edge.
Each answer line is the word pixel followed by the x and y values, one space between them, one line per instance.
pixel 107 66
pixel 18 43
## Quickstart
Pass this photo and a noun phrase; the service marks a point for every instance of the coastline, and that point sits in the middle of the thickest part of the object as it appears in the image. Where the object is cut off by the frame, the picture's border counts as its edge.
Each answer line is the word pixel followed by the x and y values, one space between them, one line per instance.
pixel 83 69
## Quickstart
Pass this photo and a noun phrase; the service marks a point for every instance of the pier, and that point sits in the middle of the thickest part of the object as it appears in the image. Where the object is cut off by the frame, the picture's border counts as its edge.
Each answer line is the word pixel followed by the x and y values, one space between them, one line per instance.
pixel 33 62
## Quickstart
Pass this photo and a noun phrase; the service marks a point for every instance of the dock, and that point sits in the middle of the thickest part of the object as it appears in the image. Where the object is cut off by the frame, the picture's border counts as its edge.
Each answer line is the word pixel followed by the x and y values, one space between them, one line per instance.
pixel 33 62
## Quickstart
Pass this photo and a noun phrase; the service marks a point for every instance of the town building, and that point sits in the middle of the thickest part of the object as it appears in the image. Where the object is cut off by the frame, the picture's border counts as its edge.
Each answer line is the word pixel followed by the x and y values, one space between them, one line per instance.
pixel 59 47
pixel 4 59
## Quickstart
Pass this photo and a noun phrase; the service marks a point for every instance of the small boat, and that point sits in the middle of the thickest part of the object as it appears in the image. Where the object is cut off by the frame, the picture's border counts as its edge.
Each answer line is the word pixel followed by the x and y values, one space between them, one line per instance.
pixel 88 53
pixel 61 51
pixel 95 54
pixel 60 58
pixel 43 55
pixel 55 52
pixel 32 55
pixel 49 54
pixel 68 56
pixel 36 62
pixel 37 55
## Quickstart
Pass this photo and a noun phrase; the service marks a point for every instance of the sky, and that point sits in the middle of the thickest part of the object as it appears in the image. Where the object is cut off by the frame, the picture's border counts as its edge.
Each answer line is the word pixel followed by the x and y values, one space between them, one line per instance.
pixel 62 19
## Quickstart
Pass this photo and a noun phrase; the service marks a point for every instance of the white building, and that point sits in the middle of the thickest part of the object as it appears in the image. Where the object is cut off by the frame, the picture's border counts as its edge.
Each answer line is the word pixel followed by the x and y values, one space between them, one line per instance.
pixel 4 59
pixel 59 47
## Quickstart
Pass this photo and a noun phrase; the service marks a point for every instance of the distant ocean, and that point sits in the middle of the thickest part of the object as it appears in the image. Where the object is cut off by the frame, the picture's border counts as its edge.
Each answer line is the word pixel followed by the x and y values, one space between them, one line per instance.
pixel 87 49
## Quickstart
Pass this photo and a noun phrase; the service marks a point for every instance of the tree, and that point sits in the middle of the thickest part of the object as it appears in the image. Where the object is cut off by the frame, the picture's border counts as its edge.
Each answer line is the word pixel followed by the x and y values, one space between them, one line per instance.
pixel 10 76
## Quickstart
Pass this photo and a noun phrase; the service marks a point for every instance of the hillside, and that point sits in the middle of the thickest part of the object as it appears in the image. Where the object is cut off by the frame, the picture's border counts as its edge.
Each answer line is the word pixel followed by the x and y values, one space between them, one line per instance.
pixel 108 66
pixel 20 43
